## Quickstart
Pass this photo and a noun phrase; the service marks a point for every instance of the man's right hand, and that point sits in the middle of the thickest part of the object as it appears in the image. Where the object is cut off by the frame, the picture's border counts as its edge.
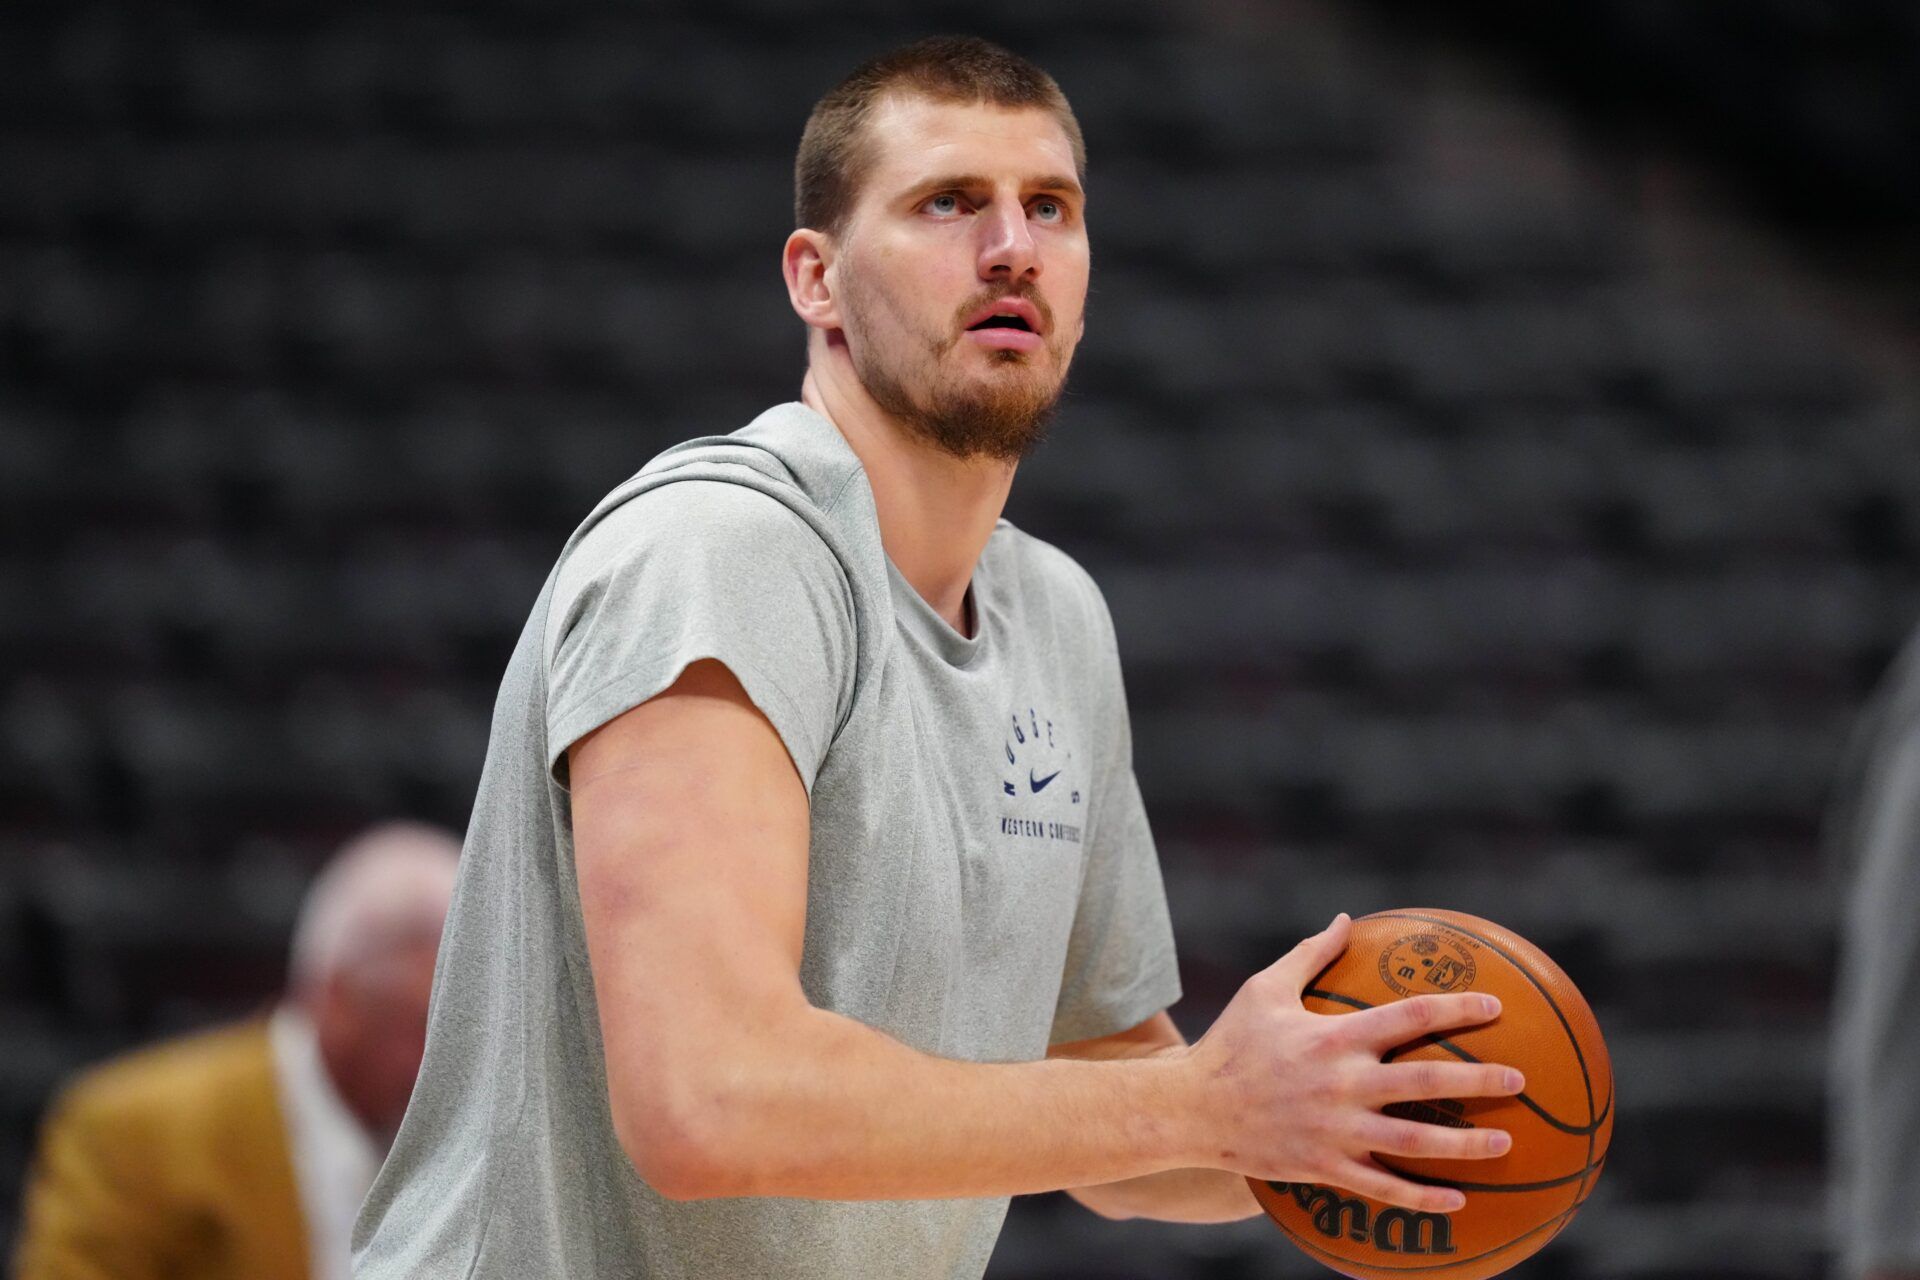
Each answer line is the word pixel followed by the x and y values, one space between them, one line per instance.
pixel 1295 1096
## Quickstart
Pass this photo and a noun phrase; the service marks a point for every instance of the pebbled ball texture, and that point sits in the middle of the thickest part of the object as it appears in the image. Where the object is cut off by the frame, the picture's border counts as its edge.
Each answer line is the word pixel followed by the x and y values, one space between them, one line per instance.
pixel 1561 1124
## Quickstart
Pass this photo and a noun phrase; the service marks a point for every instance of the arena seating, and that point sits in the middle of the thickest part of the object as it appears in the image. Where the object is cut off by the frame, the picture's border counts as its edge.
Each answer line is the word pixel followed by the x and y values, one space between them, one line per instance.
pixel 1476 534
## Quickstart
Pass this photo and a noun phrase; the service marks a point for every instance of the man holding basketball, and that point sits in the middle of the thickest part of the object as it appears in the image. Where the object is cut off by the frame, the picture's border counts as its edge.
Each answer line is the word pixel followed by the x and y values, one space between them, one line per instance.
pixel 810 910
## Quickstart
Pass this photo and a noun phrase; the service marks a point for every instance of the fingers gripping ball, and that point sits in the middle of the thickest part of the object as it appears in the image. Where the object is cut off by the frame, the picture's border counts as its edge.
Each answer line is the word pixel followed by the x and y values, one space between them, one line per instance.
pixel 1561 1124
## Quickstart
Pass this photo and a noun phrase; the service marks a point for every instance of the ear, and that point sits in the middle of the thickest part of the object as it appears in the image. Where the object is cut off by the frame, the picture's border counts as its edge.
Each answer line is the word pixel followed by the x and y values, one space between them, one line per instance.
pixel 805 262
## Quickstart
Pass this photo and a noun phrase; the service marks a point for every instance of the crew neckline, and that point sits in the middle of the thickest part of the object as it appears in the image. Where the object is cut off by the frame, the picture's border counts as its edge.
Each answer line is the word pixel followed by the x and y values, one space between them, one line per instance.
pixel 925 623
pixel 921 619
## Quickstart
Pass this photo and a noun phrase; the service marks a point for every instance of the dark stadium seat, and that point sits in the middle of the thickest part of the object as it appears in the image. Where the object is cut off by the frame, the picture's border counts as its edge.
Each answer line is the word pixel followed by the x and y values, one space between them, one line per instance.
pixel 1473 535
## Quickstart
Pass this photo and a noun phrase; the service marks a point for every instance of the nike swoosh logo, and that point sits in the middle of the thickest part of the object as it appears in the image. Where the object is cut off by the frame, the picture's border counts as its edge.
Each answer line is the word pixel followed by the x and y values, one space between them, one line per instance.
pixel 1039 783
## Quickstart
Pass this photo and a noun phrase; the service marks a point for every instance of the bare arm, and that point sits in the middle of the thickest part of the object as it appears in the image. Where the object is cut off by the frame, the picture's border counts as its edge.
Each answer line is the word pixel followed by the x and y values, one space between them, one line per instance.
pixel 1175 1195
pixel 690 832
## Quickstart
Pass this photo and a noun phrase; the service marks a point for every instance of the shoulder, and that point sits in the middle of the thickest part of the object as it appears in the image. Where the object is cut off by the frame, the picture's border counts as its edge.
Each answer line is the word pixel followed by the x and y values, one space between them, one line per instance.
pixel 170 1084
pixel 703 512
pixel 786 471
pixel 702 528
pixel 691 568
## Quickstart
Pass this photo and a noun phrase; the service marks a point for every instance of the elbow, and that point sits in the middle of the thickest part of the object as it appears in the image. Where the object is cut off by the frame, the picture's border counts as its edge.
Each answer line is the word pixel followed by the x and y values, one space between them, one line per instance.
pixel 703 1120
pixel 1103 1201
pixel 678 1152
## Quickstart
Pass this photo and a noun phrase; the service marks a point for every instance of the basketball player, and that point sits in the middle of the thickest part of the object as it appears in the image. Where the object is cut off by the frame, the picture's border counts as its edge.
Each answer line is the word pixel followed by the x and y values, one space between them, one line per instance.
pixel 810 910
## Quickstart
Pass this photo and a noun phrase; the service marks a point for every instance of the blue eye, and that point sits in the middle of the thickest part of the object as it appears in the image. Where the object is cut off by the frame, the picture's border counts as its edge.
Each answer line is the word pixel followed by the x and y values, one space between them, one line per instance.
pixel 944 204
pixel 1049 211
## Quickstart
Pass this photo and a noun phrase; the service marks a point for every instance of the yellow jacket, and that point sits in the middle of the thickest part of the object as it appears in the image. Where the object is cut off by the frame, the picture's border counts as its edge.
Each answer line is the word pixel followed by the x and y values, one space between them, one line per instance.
pixel 168 1164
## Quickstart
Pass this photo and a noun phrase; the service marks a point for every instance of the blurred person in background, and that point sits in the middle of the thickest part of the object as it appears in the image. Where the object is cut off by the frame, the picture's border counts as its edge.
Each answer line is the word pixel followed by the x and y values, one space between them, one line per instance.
pixel 1875 835
pixel 810 909
pixel 245 1151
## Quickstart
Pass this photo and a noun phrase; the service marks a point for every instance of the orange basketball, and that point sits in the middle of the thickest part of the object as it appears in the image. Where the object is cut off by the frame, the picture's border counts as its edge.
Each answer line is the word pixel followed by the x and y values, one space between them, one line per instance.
pixel 1561 1124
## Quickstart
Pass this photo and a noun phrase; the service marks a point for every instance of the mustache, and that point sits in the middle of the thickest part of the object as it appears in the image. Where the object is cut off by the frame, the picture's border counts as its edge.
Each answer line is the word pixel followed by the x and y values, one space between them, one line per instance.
pixel 1025 291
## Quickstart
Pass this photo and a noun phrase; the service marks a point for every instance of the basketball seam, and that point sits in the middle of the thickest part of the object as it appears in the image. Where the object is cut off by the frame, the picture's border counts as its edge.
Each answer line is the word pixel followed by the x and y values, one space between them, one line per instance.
pixel 1586 1077
pixel 1526 1100
pixel 1428 1180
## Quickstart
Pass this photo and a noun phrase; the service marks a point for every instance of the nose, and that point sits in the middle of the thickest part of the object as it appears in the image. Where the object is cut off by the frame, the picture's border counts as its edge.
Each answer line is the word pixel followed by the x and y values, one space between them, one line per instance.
pixel 1007 248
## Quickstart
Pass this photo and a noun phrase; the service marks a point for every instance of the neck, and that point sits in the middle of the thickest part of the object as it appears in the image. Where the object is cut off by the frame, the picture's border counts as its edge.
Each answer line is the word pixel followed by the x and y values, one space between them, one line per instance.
pixel 936 511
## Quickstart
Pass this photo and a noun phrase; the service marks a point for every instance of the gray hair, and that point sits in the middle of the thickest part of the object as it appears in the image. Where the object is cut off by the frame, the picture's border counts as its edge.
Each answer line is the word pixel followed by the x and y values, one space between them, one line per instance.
pixel 385 890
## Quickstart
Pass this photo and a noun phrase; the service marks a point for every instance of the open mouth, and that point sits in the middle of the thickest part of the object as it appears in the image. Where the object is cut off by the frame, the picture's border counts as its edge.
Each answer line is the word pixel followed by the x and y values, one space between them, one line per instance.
pixel 1011 313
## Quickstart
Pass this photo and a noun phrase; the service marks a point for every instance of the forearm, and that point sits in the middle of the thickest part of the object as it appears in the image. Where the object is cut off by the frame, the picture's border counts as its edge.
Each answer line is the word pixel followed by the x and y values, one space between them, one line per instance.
pixel 837 1110
pixel 1174 1195
pixel 1177 1195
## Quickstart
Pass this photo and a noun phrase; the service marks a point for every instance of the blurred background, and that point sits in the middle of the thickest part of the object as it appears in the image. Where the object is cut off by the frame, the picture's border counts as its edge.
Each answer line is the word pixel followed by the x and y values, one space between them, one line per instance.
pixel 1493 436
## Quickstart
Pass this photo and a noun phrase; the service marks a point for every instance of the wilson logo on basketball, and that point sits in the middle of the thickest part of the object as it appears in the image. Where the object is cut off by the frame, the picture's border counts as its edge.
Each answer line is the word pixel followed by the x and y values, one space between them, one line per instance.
pixel 1391 1230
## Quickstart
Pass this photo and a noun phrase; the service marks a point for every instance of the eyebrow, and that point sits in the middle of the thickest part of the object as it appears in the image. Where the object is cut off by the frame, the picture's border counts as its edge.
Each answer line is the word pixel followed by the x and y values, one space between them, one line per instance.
pixel 1055 182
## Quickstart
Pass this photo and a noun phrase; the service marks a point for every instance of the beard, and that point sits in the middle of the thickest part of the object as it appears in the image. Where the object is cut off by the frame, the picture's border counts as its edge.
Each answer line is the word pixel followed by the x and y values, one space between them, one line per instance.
pixel 1003 416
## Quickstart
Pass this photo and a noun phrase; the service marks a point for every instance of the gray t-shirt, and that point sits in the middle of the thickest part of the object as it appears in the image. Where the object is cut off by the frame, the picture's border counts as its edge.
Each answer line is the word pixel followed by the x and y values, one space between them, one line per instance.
pixel 982 881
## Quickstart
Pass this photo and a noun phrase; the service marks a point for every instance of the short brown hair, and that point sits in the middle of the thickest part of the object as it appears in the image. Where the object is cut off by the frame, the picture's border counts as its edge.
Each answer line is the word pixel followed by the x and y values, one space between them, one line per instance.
pixel 834 151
